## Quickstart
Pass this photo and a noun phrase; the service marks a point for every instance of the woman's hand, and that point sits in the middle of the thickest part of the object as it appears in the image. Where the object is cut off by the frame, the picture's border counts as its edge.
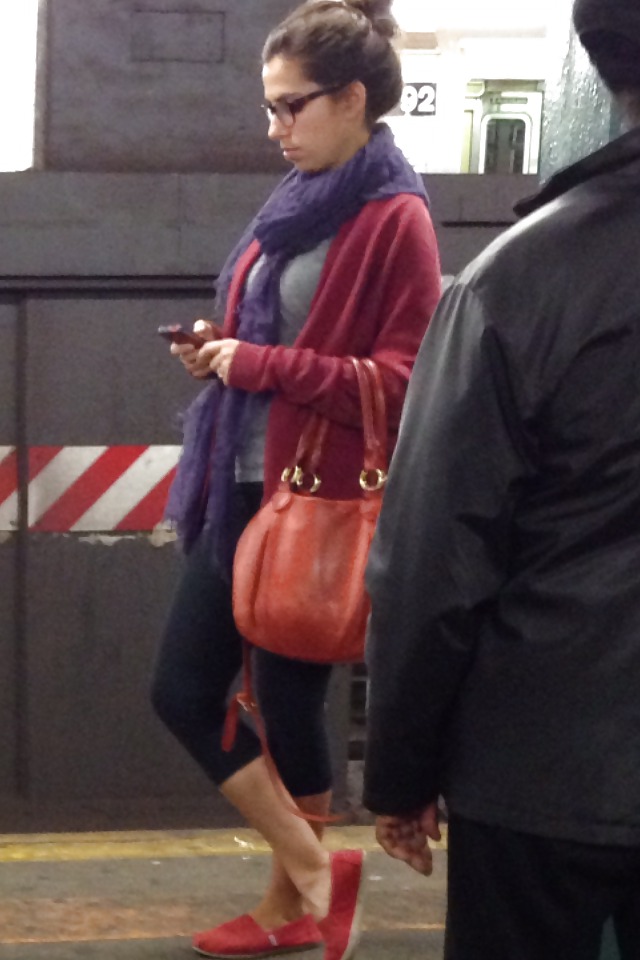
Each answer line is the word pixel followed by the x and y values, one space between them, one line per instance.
pixel 190 356
pixel 219 356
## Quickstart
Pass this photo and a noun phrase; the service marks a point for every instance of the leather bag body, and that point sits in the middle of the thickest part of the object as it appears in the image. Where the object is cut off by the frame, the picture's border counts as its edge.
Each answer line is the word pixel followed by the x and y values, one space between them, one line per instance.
pixel 298 577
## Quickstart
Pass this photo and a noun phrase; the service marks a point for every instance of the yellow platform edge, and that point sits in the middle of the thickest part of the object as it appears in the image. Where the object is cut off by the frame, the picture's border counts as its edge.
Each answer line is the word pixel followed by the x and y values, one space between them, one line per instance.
pixel 163 844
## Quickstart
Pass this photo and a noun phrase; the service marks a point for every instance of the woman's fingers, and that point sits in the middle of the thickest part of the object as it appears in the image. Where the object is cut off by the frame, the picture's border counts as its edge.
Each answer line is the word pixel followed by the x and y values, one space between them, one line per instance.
pixel 219 355
pixel 190 358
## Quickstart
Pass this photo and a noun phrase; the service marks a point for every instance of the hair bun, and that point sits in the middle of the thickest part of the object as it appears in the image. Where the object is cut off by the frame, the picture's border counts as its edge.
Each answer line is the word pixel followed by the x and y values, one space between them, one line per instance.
pixel 379 13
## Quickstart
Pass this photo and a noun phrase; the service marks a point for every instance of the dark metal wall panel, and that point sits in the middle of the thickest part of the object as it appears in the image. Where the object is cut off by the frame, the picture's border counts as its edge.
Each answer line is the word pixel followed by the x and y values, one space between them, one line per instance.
pixel 8 565
pixel 8 362
pixel 8 757
pixel 98 373
pixel 96 611
pixel 459 245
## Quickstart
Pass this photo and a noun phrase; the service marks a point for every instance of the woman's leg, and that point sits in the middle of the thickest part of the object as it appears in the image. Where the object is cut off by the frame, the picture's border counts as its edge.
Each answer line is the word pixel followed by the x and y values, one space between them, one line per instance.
pixel 282 901
pixel 198 659
pixel 292 699
pixel 296 847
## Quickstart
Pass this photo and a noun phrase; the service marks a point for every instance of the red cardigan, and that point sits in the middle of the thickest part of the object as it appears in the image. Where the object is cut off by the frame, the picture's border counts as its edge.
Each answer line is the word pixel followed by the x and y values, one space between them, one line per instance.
pixel 377 291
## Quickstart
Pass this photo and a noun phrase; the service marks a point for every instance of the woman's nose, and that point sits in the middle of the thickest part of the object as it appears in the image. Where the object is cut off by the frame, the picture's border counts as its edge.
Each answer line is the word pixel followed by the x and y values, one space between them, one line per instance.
pixel 276 128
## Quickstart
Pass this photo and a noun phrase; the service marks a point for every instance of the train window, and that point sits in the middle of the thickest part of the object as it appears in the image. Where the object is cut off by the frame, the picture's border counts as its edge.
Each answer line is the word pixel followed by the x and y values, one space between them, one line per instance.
pixel 18 26
pixel 505 144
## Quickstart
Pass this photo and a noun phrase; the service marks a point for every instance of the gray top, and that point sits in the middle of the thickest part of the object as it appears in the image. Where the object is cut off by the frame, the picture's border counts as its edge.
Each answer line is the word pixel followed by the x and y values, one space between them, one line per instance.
pixel 297 290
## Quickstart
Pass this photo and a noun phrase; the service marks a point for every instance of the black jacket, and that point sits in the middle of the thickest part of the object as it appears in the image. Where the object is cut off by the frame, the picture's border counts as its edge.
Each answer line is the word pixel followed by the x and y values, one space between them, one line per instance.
pixel 504 646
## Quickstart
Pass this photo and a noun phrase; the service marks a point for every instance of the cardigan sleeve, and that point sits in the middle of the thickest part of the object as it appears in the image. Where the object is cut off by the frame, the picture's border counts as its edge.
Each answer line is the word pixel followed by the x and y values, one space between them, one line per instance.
pixel 392 284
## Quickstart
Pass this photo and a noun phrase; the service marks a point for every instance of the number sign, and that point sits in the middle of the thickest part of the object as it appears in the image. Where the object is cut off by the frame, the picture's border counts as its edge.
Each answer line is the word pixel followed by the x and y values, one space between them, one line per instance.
pixel 419 99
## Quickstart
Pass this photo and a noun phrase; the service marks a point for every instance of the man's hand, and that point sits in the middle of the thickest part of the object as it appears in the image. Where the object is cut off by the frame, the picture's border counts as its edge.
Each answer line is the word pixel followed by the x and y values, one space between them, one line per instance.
pixel 406 837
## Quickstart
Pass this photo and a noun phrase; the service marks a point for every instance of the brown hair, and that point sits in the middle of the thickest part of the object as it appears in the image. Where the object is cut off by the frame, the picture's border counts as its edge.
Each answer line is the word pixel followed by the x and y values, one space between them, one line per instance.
pixel 340 41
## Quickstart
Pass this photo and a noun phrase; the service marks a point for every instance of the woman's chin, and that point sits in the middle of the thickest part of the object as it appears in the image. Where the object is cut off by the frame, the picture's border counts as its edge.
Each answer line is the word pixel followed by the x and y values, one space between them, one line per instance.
pixel 308 167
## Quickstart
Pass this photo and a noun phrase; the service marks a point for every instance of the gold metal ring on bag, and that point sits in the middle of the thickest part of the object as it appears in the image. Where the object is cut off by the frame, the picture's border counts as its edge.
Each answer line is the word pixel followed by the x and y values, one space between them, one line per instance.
pixel 292 475
pixel 381 479
pixel 299 479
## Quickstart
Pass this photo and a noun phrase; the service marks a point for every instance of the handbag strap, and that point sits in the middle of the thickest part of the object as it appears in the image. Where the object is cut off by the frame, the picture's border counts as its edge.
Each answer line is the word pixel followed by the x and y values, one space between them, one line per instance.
pixel 380 408
pixel 374 420
pixel 246 701
pixel 374 423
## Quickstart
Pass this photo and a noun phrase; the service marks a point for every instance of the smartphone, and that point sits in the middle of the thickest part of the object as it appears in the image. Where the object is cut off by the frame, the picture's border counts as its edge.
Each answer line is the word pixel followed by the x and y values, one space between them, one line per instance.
pixel 175 333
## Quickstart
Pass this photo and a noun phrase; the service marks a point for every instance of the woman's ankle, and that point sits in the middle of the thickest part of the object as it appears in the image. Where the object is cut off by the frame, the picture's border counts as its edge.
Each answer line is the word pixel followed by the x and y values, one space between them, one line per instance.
pixel 317 894
pixel 278 907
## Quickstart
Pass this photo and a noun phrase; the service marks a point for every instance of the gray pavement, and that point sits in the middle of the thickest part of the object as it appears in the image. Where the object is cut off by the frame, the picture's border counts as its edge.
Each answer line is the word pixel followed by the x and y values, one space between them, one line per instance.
pixel 147 907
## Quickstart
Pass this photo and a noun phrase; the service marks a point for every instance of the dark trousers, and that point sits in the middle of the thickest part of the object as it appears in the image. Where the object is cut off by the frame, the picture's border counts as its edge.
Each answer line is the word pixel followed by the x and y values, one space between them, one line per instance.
pixel 516 896
pixel 198 660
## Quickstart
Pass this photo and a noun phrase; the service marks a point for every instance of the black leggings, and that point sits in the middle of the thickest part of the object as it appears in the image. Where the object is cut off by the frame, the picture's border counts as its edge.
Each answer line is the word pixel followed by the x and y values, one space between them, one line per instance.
pixel 200 656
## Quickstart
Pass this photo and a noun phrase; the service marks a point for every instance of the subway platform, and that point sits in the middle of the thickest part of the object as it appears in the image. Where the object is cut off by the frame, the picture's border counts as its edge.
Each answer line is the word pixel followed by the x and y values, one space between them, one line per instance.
pixel 140 895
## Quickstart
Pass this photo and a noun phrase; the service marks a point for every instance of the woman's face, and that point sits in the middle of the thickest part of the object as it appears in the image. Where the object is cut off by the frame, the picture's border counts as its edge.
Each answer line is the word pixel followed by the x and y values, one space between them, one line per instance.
pixel 323 132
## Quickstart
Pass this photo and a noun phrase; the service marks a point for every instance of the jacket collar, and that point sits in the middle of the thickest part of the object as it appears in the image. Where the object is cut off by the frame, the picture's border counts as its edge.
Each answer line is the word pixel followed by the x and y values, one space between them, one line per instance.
pixel 619 153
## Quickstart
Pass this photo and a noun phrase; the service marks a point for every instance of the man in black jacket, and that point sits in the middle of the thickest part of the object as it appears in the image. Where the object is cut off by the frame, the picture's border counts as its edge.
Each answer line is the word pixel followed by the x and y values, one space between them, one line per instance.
pixel 504 647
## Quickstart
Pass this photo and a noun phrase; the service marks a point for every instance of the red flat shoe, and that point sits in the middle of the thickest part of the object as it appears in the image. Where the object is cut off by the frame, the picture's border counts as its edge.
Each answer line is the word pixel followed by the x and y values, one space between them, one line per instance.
pixel 244 939
pixel 341 927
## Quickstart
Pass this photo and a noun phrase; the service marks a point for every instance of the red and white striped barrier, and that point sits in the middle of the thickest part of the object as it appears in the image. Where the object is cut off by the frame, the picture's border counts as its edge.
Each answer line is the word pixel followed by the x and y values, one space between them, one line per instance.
pixel 89 489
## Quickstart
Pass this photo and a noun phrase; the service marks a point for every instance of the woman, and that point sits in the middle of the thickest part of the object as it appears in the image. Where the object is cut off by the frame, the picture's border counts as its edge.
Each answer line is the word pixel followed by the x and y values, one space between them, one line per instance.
pixel 340 262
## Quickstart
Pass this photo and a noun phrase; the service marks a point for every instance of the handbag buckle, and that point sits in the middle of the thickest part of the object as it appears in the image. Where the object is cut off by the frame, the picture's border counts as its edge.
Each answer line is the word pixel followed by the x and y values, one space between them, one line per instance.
pixel 378 483
pixel 290 474
pixel 296 477
pixel 299 480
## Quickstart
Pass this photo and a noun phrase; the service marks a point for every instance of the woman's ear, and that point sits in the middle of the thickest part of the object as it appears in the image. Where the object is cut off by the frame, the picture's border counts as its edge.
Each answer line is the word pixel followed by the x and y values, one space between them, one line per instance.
pixel 355 99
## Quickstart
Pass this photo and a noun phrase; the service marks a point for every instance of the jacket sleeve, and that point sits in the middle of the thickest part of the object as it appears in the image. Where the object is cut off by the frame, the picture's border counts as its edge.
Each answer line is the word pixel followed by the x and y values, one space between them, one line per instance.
pixel 441 549
pixel 405 291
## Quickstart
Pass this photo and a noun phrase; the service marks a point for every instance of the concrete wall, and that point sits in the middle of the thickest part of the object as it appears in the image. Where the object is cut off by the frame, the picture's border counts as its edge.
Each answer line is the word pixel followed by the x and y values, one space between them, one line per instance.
pixel 170 225
pixel 579 114
pixel 75 224
pixel 153 85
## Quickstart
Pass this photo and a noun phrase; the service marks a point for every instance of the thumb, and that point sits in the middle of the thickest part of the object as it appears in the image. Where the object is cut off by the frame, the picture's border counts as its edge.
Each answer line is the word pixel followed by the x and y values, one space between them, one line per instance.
pixel 429 821
pixel 204 328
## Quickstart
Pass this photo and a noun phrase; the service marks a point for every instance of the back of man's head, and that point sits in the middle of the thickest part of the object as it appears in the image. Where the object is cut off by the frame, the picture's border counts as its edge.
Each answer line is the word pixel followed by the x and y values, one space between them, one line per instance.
pixel 609 30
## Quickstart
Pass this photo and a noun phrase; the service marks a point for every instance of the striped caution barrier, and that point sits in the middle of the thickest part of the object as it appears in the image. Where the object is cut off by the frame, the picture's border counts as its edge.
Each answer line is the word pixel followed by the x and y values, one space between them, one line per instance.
pixel 88 489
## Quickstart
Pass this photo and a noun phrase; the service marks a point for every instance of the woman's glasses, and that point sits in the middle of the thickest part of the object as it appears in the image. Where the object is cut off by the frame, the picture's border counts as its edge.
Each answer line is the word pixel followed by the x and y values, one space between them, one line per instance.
pixel 286 111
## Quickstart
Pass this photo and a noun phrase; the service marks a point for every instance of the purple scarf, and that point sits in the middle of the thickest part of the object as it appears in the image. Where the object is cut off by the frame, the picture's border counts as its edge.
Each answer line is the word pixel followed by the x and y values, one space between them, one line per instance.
pixel 303 210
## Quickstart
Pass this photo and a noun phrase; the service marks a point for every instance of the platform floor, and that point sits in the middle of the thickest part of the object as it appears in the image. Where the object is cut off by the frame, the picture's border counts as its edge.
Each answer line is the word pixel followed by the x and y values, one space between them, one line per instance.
pixel 139 896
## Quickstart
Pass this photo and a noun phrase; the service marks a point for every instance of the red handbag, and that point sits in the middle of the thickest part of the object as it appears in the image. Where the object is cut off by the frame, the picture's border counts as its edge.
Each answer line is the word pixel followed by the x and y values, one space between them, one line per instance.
pixel 298 574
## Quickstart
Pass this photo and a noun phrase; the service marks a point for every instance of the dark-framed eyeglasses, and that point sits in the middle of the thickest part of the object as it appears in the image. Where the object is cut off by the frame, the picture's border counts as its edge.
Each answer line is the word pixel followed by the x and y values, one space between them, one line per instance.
pixel 286 111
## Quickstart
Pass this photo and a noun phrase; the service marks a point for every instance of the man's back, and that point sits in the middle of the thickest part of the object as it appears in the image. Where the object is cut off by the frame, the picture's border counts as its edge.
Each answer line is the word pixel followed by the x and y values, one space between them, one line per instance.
pixel 530 373
pixel 504 640
pixel 552 698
